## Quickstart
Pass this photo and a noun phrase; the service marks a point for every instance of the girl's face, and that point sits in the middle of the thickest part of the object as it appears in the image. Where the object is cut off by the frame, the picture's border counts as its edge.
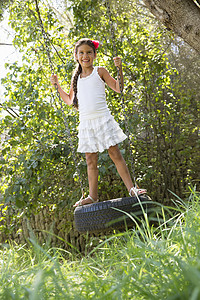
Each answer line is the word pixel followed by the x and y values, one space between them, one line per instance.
pixel 85 55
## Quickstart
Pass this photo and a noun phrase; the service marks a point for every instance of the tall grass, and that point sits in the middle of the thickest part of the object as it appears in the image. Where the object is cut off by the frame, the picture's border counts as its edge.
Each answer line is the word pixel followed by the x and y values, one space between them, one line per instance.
pixel 147 262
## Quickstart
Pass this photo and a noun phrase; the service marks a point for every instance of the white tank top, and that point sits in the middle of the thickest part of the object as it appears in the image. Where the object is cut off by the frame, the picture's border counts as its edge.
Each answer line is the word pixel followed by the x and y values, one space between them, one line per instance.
pixel 91 96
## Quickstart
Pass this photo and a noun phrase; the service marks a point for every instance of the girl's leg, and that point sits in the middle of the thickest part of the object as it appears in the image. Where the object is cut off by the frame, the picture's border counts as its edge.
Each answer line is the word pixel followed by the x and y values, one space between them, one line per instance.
pixel 123 171
pixel 121 166
pixel 92 170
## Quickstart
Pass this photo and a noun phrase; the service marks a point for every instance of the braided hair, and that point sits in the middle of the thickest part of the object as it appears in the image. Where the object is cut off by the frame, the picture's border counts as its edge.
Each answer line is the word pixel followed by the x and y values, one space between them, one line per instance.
pixel 78 69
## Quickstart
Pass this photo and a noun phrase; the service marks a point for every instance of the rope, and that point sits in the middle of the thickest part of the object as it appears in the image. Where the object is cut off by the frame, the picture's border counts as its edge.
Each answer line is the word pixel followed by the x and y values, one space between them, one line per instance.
pixel 47 42
pixel 121 89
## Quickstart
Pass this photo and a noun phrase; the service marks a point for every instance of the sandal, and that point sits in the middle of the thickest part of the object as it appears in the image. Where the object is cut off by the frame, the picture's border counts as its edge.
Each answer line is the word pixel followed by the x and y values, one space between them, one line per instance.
pixel 134 191
pixel 80 202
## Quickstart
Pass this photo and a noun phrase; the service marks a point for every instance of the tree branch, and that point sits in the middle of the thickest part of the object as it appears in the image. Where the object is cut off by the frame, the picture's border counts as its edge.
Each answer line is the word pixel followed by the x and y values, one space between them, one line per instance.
pixel 5 44
pixel 180 16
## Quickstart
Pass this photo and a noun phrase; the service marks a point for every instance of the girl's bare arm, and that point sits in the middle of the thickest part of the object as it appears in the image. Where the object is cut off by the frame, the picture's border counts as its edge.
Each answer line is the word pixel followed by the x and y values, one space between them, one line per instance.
pixel 67 98
pixel 109 80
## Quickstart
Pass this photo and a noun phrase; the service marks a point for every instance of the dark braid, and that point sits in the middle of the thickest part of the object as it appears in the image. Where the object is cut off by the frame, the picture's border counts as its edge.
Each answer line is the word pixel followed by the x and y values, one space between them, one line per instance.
pixel 78 69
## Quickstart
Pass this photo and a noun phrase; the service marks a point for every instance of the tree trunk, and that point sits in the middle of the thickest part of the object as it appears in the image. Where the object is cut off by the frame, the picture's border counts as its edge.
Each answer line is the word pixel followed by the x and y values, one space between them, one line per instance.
pixel 53 228
pixel 180 16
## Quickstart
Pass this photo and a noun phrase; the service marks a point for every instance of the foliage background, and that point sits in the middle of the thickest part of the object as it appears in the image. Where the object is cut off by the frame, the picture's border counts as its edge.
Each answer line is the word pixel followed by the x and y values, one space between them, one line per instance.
pixel 162 93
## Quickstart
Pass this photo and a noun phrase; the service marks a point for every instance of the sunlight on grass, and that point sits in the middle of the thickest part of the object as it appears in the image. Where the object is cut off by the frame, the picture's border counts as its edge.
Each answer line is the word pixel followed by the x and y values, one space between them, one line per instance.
pixel 157 259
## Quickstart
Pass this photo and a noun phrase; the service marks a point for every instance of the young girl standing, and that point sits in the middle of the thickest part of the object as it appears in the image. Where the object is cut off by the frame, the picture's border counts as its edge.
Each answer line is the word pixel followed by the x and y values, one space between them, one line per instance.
pixel 97 129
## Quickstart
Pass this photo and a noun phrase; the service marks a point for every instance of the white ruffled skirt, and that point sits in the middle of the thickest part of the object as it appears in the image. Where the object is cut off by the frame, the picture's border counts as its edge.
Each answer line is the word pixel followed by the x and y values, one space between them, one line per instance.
pixel 98 134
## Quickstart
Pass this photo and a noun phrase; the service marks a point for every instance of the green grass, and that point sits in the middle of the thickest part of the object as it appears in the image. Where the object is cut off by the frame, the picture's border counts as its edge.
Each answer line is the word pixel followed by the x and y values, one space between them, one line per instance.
pixel 148 262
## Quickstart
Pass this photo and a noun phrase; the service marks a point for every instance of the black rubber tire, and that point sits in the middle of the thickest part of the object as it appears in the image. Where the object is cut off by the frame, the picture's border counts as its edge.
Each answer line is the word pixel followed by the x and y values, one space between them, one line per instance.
pixel 103 215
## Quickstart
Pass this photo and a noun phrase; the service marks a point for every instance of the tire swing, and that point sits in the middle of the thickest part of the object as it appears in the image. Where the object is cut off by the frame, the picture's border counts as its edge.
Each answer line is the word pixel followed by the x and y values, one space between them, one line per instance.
pixel 110 214
pixel 115 213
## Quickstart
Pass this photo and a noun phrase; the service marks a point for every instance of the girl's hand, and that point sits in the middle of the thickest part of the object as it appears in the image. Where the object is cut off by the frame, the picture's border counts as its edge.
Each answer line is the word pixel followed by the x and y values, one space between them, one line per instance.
pixel 54 79
pixel 117 61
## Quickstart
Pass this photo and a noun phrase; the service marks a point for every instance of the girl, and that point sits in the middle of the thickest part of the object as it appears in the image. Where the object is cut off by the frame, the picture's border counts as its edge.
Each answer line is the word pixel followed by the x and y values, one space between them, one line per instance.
pixel 97 129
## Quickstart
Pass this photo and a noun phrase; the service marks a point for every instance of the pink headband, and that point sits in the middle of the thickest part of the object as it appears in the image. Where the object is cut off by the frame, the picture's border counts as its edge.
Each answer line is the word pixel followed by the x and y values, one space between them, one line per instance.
pixel 95 43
